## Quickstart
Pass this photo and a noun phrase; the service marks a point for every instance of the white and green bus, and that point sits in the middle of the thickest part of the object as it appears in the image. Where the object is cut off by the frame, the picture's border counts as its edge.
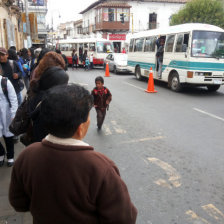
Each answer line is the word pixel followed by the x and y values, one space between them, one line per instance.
pixel 193 54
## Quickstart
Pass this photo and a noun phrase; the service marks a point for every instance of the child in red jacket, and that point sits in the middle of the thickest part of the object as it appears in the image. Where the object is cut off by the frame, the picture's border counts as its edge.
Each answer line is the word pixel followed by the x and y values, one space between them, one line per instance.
pixel 102 98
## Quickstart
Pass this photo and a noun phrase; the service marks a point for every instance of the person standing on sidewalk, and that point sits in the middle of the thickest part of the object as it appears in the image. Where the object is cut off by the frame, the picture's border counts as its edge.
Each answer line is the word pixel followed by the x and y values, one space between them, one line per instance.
pixel 11 70
pixel 102 98
pixel 91 60
pixel 25 62
pixel 63 179
pixel 8 107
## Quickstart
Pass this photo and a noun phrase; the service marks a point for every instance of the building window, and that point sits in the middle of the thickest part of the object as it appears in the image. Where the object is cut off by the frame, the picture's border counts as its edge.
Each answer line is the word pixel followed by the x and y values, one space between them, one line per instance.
pixel 79 29
pixel 111 13
pixel 126 14
pixel 152 20
pixel 105 14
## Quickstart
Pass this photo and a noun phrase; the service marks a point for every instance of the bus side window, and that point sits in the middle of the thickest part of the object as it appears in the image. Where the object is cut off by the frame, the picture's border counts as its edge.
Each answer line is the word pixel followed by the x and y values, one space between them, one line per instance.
pixel 92 46
pixel 169 43
pixel 179 43
pixel 139 44
pixel 86 46
pixel 185 44
pixel 150 43
pixel 131 45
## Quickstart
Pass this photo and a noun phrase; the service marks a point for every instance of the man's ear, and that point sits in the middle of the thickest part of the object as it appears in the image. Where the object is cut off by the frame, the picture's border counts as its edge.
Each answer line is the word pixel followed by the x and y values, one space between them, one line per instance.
pixel 79 132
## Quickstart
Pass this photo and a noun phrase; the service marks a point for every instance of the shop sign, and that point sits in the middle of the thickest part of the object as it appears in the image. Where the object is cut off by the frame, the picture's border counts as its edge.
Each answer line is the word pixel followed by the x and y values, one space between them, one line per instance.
pixel 117 36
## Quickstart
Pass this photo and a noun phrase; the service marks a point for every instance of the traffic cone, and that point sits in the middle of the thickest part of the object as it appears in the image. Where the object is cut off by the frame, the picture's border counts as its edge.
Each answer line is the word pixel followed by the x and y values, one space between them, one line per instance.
pixel 107 73
pixel 150 88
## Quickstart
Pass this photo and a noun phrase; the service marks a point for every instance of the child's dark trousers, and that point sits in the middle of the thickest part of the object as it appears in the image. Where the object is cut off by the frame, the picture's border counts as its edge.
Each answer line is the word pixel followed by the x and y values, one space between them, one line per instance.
pixel 101 113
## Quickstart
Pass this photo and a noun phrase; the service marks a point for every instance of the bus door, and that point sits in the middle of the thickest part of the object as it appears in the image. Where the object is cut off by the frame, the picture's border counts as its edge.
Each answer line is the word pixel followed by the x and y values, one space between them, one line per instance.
pixel 80 53
pixel 159 55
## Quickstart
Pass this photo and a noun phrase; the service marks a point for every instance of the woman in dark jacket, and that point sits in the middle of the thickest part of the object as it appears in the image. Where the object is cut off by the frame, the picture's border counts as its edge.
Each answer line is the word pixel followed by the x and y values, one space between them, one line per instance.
pixel 51 77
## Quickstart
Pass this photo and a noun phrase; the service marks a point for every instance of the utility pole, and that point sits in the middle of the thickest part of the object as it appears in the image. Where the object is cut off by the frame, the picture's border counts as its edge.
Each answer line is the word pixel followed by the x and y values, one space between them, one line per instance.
pixel 29 42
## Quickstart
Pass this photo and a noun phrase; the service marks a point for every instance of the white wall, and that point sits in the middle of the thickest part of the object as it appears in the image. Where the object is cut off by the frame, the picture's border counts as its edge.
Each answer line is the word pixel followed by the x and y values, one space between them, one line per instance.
pixel 141 11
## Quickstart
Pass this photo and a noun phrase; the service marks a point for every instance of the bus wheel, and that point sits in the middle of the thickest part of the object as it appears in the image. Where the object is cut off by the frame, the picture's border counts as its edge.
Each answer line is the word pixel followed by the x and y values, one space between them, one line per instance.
pixel 138 73
pixel 213 88
pixel 115 69
pixel 175 82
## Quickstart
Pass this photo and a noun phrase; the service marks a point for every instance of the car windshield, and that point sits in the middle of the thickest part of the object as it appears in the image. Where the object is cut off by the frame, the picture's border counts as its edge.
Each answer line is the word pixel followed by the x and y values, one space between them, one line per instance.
pixel 104 47
pixel 208 44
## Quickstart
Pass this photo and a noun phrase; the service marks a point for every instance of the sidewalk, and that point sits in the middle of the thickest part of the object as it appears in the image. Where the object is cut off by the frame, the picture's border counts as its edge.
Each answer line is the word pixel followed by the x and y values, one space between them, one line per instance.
pixel 7 213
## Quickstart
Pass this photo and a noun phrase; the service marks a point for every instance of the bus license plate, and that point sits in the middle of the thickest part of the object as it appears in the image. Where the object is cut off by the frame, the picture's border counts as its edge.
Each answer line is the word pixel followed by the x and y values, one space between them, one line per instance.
pixel 217 81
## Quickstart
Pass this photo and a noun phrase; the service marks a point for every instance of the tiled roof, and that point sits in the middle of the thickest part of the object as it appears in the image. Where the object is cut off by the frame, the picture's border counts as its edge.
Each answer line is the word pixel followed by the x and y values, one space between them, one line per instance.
pixel 170 1
pixel 113 4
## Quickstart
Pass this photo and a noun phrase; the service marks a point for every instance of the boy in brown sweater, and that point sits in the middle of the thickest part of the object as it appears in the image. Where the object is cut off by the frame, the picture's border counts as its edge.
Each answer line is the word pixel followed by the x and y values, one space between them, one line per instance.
pixel 62 179
pixel 102 98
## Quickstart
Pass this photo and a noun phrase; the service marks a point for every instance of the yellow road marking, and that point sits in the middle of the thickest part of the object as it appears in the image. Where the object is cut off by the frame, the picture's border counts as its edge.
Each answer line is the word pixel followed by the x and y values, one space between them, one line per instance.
pixel 195 218
pixel 117 128
pixel 144 139
pixel 107 130
pixel 214 212
pixel 79 83
pixel 174 176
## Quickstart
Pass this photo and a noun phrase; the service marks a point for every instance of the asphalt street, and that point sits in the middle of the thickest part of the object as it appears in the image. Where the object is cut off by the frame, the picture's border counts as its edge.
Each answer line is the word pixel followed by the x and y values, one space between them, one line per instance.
pixel 168 147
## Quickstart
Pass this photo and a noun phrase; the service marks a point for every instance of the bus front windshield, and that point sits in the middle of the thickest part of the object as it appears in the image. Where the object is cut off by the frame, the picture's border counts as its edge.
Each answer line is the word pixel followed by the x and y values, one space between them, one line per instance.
pixel 104 47
pixel 208 44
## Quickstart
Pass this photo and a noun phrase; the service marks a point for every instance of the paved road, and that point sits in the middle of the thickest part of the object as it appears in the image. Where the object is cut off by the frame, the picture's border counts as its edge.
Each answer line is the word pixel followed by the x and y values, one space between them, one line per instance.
pixel 168 147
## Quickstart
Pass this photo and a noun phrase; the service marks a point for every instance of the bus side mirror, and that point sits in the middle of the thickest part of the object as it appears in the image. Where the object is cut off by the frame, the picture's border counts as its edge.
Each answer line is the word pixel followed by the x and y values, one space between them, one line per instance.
pixel 184 48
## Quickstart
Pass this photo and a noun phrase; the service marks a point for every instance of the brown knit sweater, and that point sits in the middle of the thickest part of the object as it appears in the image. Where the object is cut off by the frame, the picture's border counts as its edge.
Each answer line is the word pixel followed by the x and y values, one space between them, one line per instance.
pixel 69 185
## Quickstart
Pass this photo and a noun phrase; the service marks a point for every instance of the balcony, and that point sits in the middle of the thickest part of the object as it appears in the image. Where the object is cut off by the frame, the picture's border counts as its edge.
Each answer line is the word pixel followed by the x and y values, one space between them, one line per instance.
pixel 112 26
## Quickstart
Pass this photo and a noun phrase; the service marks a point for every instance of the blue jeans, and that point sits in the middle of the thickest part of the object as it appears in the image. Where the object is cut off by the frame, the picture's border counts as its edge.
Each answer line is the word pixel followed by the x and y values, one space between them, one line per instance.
pixel 26 80
pixel 19 98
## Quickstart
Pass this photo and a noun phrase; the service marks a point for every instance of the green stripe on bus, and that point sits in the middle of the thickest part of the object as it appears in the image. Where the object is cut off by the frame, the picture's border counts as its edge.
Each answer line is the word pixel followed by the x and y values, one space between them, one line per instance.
pixel 198 66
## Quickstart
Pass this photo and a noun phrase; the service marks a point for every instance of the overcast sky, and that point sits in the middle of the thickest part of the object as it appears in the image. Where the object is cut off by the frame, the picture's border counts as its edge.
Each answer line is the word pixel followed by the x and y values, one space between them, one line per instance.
pixel 67 9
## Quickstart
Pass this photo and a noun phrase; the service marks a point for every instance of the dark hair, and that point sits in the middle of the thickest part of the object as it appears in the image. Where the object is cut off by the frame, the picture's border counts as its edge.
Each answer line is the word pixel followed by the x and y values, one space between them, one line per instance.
pixel 64 108
pixel 32 52
pixel 13 48
pixel 24 53
pixel 52 76
pixel 99 79
pixel 42 53
pixel 12 55
pixel 58 51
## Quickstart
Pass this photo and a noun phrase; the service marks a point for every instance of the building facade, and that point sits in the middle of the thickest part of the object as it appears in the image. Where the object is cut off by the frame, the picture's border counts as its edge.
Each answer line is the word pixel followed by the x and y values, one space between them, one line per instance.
pixel 11 32
pixel 38 8
pixel 117 20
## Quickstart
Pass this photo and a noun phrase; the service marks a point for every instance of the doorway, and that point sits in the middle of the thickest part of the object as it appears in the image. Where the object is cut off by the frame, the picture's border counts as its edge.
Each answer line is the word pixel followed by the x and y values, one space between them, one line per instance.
pixel 117 47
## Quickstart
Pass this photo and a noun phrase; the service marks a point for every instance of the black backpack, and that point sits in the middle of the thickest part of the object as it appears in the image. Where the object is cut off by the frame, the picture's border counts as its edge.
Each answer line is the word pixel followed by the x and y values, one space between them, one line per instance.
pixel 5 90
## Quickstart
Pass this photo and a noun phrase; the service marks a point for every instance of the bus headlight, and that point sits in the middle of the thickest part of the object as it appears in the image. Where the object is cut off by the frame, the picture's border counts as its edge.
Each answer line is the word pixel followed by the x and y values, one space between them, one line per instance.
pixel 203 74
pixel 199 73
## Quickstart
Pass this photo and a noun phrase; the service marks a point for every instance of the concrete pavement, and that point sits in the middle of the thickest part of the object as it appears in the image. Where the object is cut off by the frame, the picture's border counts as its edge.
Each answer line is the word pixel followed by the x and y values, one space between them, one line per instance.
pixel 7 214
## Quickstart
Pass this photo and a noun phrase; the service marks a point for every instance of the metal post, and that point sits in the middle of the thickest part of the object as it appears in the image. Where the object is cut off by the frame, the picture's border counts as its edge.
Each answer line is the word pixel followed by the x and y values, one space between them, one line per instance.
pixel 29 44
pixel 132 22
